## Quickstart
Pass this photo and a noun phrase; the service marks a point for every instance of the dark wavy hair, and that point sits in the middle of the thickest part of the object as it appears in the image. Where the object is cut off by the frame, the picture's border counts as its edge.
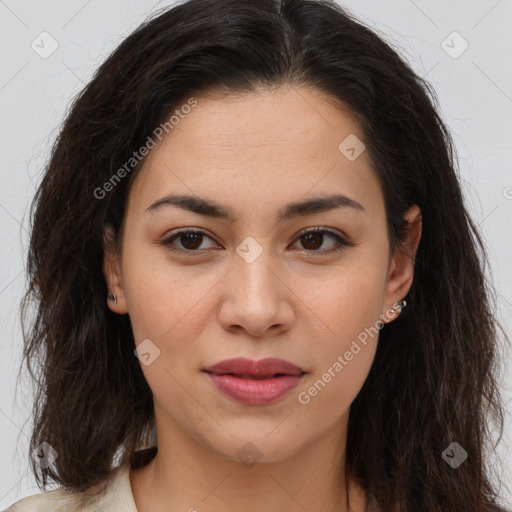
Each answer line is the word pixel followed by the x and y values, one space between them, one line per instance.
pixel 434 379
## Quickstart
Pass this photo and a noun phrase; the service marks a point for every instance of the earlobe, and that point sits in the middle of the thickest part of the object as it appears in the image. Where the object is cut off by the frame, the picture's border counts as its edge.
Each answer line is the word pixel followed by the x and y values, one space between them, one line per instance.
pixel 112 272
pixel 401 269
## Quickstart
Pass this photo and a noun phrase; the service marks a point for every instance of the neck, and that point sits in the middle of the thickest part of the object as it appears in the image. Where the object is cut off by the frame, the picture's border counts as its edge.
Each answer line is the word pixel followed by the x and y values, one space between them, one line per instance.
pixel 187 476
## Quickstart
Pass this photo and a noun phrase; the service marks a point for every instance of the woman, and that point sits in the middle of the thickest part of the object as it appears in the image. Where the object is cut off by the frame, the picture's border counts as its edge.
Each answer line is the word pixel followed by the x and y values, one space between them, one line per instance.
pixel 258 286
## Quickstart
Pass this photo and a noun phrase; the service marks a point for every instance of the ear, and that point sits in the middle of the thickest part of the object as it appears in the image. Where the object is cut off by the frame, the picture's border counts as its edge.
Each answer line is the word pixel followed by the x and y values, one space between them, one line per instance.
pixel 112 271
pixel 401 268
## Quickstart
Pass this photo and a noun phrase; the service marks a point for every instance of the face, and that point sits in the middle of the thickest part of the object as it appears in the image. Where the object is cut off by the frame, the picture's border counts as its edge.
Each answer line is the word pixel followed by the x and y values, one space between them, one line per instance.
pixel 259 284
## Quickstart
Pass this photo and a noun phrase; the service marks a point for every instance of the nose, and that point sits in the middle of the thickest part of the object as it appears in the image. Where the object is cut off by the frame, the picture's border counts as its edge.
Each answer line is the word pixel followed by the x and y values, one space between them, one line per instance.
pixel 257 298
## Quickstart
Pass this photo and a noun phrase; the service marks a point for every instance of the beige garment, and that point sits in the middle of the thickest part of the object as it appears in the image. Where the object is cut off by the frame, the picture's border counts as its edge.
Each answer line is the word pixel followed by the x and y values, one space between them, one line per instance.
pixel 117 498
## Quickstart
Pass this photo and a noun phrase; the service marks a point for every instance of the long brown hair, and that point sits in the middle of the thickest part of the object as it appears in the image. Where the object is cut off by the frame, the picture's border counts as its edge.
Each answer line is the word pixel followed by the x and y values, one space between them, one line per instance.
pixel 434 378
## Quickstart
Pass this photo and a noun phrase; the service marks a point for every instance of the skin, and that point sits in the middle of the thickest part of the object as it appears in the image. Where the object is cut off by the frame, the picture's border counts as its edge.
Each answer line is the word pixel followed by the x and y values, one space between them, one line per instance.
pixel 255 153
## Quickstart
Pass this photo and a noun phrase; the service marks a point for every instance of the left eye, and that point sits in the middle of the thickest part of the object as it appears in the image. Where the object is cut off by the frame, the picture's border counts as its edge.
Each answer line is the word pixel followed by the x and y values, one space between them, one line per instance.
pixel 316 235
pixel 312 240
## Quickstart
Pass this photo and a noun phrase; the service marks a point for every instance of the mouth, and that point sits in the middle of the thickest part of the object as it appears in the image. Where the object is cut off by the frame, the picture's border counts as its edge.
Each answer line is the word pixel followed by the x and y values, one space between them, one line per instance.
pixel 255 377
pixel 255 382
pixel 267 368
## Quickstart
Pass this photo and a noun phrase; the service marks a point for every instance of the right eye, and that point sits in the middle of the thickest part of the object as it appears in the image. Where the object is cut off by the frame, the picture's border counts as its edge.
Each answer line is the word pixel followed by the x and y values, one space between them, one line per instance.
pixel 190 240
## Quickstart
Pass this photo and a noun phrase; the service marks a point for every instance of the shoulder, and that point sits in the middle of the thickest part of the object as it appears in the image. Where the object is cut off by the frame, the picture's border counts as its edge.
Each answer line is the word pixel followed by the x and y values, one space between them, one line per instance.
pixel 56 500
pixel 117 497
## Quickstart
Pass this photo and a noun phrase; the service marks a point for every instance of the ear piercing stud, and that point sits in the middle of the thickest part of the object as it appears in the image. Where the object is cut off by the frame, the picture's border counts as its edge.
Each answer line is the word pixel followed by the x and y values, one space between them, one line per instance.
pixel 398 306
pixel 112 297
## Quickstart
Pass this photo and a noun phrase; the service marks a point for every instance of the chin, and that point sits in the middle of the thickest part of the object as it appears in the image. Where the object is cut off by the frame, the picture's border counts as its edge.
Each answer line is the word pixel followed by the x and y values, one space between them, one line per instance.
pixel 256 445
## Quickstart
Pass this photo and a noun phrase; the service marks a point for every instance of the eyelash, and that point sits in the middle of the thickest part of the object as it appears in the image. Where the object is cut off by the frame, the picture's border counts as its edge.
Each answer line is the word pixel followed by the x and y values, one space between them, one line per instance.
pixel 342 243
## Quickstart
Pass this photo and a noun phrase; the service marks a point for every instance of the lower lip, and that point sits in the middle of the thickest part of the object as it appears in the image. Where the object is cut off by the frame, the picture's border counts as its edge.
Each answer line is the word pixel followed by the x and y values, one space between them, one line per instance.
pixel 255 392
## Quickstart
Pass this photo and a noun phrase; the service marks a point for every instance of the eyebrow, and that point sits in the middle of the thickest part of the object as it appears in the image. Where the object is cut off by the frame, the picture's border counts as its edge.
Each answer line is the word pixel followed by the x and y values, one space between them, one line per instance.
pixel 210 208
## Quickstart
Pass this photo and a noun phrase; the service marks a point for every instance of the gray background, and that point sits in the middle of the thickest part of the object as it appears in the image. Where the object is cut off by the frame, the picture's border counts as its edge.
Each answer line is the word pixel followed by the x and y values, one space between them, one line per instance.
pixel 474 89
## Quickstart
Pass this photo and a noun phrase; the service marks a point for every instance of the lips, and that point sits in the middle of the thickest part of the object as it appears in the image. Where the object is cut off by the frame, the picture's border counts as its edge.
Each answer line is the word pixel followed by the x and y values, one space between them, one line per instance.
pixel 248 369
pixel 255 382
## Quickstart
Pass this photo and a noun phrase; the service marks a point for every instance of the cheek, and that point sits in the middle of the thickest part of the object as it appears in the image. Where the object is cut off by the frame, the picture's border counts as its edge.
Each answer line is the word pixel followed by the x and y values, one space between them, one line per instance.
pixel 349 307
pixel 170 308
pixel 328 394
pixel 342 361
pixel 348 300
pixel 163 300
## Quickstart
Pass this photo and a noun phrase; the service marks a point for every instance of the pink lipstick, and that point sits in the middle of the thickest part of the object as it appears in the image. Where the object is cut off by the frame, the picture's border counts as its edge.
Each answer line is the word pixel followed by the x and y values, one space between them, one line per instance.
pixel 255 382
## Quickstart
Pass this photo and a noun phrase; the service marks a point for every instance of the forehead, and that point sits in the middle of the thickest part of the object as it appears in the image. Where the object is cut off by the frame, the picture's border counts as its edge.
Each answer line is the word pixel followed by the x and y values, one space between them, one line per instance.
pixel 262 122
pixel 254 149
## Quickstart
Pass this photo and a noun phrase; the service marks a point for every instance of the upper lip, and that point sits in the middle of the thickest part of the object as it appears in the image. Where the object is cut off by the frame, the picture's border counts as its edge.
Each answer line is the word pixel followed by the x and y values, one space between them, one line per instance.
pixel 262 368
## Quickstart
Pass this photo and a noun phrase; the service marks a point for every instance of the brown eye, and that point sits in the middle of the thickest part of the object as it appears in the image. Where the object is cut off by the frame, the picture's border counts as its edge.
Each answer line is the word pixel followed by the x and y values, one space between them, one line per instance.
pixel 190 241
pixel 313 239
